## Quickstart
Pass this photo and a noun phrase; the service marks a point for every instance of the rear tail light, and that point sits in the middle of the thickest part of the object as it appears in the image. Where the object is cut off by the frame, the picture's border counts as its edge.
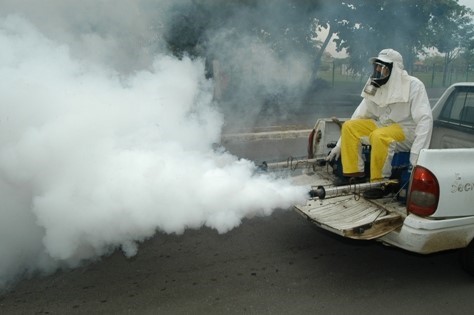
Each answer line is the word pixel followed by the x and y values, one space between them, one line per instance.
pixel 424 192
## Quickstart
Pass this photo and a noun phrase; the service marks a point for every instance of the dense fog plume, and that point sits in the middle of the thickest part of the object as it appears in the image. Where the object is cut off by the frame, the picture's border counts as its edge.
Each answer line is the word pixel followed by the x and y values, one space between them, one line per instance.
pixel 92 159
pixel 255 81
pixel 254 84
pixel 261 75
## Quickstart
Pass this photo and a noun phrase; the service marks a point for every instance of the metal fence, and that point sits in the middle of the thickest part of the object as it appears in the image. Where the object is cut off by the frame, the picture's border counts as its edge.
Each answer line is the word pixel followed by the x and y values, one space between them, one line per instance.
pixel 431 75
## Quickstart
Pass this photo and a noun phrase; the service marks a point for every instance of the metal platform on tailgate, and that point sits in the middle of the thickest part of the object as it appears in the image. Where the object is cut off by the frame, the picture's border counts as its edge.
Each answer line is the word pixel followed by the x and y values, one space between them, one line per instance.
pixel 351 216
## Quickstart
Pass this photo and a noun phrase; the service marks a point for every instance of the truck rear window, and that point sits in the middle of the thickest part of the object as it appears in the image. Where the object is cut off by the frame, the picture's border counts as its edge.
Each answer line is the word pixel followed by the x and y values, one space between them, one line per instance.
pixel 459 107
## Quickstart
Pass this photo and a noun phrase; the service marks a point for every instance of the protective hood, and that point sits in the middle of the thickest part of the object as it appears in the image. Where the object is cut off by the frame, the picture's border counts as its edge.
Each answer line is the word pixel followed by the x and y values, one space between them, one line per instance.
pixel 397 89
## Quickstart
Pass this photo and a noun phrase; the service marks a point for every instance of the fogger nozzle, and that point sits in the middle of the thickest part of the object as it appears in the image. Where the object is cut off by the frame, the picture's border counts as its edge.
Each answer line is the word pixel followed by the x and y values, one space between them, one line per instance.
pixel 321 192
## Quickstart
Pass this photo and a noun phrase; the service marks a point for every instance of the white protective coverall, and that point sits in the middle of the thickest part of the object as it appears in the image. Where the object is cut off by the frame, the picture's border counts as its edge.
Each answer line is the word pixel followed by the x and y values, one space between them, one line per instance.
pixel 397 118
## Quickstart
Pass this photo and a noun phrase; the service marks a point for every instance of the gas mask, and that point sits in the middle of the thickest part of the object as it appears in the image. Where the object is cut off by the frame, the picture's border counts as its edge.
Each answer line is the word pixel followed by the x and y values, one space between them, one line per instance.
pixel 379 77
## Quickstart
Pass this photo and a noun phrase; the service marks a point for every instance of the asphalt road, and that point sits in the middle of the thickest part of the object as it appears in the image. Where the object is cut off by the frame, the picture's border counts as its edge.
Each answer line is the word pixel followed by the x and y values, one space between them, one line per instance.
pixel 279 264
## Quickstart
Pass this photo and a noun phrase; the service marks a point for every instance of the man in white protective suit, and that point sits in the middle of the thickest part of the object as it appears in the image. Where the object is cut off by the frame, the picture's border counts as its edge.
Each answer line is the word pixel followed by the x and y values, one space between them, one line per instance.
pixel 395 114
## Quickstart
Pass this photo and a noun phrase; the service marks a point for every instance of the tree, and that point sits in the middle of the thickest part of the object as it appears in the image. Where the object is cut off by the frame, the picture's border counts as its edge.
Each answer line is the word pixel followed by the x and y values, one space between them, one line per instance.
pixel 408 26
pixel 361 27
pixel 451 33
pixel 328 15
pixel 189 24
pixel 373 26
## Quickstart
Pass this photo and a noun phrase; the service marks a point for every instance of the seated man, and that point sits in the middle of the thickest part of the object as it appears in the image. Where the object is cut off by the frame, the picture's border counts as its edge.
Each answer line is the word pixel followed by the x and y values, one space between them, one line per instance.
pixel 395 112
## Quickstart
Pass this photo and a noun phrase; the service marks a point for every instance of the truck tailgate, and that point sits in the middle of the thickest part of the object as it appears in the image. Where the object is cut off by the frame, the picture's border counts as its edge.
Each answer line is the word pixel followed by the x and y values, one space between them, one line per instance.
pixel 352 216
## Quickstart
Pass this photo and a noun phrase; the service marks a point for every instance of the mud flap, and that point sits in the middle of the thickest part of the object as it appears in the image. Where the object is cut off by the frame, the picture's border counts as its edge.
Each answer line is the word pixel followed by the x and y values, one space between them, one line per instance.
pixel 351 217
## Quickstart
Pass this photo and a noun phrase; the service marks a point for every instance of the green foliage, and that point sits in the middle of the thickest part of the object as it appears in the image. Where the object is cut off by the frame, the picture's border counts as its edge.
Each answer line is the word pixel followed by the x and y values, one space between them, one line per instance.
pixel 192 24
pixel 363 27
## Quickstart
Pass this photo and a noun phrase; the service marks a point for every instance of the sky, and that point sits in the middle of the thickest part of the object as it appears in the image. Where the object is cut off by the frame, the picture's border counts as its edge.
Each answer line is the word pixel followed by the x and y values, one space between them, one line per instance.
pixel 467 3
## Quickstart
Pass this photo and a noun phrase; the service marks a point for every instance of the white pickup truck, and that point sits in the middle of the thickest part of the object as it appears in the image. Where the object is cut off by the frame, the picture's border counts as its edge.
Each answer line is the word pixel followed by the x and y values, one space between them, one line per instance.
pixel 437 212
pixel 431 211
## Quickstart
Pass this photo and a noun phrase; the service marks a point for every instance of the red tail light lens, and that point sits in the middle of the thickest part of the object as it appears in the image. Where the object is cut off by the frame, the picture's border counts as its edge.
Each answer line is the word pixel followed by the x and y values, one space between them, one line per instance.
pixel 424 192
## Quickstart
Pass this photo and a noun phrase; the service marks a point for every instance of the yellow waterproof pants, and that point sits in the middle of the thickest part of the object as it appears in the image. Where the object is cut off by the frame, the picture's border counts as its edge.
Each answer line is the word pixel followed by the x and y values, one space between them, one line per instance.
pixel 383 141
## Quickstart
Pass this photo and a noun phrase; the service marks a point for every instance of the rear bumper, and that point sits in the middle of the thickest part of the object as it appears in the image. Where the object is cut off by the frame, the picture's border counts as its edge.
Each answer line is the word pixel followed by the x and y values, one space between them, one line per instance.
pixel 425 236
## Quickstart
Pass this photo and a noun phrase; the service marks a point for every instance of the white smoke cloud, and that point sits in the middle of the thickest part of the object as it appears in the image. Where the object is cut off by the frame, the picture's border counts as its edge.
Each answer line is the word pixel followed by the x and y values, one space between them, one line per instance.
pixel 122 34
pixel 92 161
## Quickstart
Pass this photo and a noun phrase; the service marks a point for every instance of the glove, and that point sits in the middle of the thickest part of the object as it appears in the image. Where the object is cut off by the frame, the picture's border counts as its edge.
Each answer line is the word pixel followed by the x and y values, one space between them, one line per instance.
pixel 413 158
pixel 334 154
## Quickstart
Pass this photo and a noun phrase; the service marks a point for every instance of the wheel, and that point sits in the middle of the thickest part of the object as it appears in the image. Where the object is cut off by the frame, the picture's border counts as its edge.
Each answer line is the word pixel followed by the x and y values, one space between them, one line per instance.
pixel 467 258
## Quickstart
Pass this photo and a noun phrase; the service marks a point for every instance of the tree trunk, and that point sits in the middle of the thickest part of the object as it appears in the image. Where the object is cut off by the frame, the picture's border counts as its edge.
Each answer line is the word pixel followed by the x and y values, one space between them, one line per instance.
pixel 319 55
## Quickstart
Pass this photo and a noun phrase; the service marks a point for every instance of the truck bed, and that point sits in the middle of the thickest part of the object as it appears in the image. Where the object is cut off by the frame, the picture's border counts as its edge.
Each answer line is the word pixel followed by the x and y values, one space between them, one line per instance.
pixel 349 215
